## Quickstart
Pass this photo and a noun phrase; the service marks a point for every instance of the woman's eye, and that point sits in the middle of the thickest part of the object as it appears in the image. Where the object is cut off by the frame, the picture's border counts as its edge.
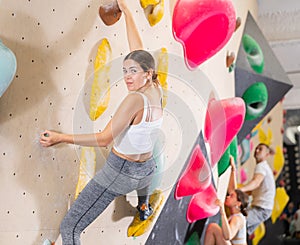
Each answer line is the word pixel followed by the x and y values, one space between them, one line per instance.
pixel 131 71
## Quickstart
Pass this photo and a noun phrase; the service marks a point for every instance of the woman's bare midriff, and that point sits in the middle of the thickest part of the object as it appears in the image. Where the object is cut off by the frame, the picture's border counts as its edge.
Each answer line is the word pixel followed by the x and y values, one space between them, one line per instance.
pixel 134 158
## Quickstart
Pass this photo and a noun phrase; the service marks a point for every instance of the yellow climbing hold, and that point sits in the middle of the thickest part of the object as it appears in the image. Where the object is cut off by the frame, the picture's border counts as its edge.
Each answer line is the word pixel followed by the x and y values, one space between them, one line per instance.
pixel 154 10
pixel 280 201
pixel 162 72
pixel 146 3
pixel 259 233
pixel 278 161
pixel 156 13
pixel 265 138
pixel 100 92
pixel 86 169
pixel 138 227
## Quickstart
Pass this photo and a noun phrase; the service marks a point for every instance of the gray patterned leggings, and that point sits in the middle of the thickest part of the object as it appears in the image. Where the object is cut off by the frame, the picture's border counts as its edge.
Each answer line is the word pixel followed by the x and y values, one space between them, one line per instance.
pixel 117 177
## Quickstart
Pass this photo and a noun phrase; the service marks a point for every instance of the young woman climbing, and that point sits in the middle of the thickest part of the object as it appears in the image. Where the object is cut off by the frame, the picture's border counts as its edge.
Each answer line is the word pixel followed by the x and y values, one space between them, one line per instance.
pixel 133 130
pixel 233 230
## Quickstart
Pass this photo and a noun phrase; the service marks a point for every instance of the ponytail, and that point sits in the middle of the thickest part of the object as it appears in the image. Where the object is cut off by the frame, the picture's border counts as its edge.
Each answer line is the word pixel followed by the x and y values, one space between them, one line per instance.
pixel 155 78
pixel 244 199
pixel 244 211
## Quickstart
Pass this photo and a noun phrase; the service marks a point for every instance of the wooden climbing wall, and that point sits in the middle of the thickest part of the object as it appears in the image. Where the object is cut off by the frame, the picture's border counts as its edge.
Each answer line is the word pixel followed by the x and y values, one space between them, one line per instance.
pixel 55 43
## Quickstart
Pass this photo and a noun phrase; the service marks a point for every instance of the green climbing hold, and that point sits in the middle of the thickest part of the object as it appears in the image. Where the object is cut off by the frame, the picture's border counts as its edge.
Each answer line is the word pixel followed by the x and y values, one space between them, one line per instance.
pixel 194 239
pixel 256 100
pixel 224 162
pixel 254 52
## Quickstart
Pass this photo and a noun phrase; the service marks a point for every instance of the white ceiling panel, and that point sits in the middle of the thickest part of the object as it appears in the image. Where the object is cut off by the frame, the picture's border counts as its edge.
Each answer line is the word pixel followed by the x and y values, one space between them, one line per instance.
pixel 280 23
pixel 288 53
pixel 295 79
pixel 292 99
pixel 267 6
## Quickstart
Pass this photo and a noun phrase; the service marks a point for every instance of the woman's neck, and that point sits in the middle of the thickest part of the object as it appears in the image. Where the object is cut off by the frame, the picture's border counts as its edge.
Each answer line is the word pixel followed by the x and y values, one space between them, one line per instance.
pixel 147 85
pixel 235 210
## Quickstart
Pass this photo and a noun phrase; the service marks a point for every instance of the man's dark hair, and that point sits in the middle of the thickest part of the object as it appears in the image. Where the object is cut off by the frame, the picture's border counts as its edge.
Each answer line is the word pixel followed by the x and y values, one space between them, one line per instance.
pixel 271 151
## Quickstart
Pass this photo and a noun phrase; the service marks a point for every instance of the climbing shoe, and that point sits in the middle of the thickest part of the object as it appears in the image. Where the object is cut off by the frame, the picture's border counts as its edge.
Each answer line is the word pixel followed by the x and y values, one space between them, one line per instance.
pixel 145 211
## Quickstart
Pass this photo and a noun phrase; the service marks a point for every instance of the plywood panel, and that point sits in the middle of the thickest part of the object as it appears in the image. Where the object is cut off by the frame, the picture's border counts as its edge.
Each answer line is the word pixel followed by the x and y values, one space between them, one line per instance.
pixel 55 44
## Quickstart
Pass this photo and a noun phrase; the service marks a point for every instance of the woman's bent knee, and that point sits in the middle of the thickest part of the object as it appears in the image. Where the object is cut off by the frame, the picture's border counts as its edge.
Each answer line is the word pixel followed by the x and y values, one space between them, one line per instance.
pixel 212 227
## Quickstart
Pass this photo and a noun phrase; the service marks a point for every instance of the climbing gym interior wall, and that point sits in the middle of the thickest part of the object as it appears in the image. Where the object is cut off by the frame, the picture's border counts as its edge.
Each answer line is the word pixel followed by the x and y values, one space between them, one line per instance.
pixel 58 47
pixel 269 130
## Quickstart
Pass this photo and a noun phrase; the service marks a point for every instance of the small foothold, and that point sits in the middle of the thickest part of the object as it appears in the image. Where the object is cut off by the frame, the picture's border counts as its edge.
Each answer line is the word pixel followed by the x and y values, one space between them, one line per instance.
pixel 230 59
pixel 46 134
pixel 269 120
pixel 238 23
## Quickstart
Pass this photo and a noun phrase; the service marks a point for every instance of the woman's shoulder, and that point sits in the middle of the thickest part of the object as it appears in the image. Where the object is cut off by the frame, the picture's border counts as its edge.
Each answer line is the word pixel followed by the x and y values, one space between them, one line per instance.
pixel 133 99
pixel 239 219
pixel 131 104
pixel 238 216
pixel 156 91
pixel 158 87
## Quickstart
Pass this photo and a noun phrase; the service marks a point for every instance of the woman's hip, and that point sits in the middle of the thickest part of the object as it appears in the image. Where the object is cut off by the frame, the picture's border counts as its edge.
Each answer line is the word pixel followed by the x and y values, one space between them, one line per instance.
pixel 120 174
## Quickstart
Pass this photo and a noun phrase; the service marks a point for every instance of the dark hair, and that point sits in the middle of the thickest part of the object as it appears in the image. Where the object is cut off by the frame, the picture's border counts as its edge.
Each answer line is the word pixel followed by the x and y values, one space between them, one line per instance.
pixel 244 199
pixel 271 151
pixel 145 60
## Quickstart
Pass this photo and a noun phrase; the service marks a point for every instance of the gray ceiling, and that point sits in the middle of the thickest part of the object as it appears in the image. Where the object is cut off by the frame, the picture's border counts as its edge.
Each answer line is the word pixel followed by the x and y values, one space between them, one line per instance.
pixel 280 22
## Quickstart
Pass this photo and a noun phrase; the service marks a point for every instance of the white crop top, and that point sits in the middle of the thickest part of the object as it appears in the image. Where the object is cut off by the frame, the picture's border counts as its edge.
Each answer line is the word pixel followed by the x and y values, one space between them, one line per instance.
pixel 241 236
pixel 139 138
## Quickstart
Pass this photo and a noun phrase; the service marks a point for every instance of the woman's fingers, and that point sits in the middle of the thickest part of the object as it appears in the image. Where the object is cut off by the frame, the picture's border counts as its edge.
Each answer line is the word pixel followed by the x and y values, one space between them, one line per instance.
pixel 47 138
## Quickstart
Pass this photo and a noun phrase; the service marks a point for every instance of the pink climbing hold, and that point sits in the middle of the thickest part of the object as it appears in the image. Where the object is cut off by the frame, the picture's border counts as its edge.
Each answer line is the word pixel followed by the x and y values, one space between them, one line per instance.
pixel 251 145
pixel 223 120
pixel 202 205
pixel 203 27
pixel 196 176
pixel 243 176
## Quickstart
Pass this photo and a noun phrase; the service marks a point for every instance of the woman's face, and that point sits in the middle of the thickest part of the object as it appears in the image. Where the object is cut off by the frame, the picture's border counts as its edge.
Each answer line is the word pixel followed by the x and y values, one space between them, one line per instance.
pixel 231 200
pixel 134 76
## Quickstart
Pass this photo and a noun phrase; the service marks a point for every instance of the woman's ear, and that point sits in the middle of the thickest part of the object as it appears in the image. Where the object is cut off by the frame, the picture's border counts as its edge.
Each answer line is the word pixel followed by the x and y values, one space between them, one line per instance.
pixel 149 73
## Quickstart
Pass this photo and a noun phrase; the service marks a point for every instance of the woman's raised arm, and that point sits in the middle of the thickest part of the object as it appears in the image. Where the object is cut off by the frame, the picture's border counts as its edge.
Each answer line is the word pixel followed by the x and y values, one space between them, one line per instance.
pixel 133 36
pixel 232 185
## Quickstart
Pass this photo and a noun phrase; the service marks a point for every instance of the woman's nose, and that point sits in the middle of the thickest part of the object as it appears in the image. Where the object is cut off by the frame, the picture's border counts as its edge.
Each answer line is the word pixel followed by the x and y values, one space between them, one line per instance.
pixel 127 75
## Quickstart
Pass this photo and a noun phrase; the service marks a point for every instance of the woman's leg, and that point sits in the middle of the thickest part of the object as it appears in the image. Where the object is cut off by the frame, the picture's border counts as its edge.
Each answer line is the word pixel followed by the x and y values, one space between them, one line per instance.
pixel 91 202
pixel 214 235
pixel 143 207
pixel 144 193
pixel 111 181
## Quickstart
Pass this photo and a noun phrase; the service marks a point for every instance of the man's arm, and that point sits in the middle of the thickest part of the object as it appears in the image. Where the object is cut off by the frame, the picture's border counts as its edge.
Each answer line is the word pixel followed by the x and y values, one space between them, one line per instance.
pixel 254 183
